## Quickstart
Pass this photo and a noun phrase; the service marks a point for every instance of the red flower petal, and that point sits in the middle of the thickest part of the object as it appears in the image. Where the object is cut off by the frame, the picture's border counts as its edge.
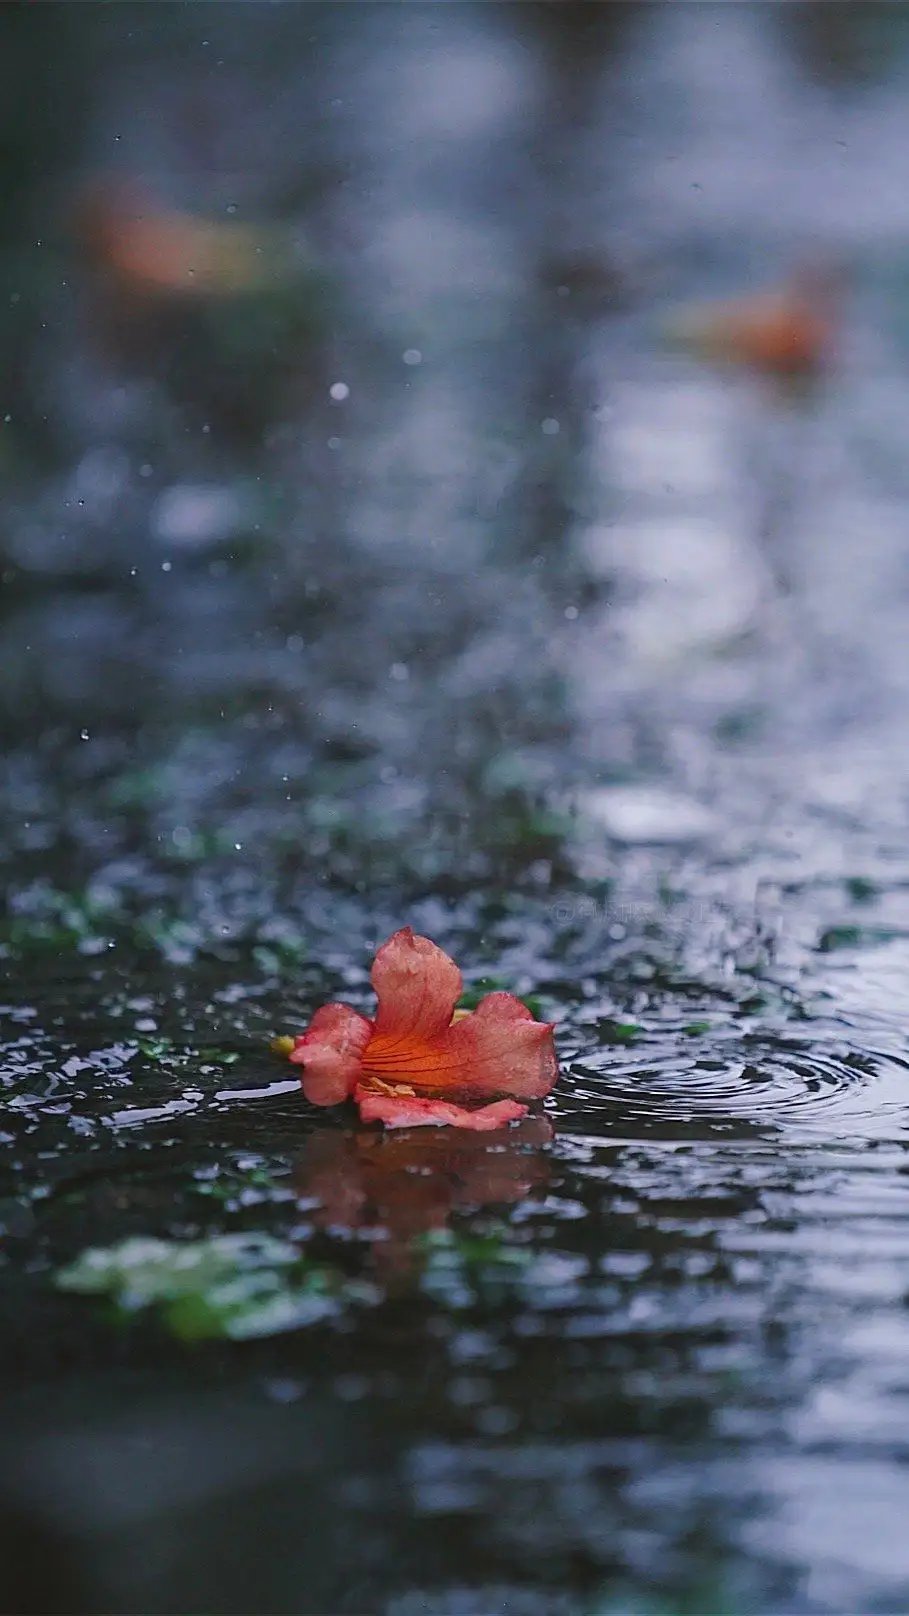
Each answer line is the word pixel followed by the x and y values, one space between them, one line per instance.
pixel 497 1050
pixel 501 1049
pixel 416 1111
pixel 413 1065
pixel 417 987
pixel 331 1053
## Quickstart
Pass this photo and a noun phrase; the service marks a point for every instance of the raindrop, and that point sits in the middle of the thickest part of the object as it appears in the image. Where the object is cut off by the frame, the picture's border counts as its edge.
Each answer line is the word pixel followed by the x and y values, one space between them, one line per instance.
pixel 83 734
pixel 166 566
pixel 412 356
pixel 550 426
pixel 339 391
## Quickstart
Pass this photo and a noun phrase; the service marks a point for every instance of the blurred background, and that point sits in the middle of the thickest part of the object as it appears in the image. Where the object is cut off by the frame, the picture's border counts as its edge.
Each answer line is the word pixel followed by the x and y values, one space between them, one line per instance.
pixel 454 471
pixel 449 408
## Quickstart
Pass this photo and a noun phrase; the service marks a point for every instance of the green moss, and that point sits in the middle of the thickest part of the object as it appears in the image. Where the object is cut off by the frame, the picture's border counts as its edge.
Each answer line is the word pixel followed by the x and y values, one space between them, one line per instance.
pixel 462 1270
pixel 619 1032
pixel 238 1286
pixel 854 936
pixel 165 1052
pixel 860 889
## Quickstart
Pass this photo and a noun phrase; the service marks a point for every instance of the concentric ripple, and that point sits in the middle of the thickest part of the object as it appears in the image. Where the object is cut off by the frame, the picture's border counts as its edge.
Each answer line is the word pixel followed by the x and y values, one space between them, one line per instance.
pixel 666 1087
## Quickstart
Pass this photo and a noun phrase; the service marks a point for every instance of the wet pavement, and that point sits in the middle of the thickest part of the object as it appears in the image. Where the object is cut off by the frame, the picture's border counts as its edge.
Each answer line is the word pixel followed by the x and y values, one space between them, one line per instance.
pixel 437 588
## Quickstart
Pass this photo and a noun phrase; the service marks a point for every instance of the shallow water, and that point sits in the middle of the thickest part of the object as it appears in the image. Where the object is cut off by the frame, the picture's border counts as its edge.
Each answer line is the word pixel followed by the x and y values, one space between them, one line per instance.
pixel 580 657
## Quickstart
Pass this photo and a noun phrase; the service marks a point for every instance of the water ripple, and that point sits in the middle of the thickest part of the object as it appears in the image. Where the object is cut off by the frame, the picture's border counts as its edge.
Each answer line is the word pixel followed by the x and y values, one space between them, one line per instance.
pixel 743 1086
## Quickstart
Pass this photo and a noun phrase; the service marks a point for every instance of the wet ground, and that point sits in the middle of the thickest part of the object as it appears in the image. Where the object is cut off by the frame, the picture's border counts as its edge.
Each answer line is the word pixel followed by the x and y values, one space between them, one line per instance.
pixel 433 587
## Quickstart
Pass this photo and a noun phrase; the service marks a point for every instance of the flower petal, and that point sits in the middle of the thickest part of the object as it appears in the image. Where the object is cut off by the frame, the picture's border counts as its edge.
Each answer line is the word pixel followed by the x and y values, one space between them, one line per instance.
pixel 501 1049
pixel 406 1111
pixel 417 987
pixel 497 1050
pixel 331 1053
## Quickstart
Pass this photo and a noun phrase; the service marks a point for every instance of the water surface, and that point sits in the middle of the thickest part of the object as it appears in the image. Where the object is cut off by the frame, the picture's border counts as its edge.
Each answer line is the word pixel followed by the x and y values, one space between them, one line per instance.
pixel 583 658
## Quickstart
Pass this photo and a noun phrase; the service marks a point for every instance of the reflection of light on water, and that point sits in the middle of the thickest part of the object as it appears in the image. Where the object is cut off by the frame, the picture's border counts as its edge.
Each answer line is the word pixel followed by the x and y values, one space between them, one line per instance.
pixel 426 255
pixel 136 1116
pixel 669 437
pixel 696 583
pixel 646 814
pixel 727 143
pixel 873 982
pixel 467 91
pixel 262 1091
pixel 807 1525
pixel 194 515
pixel 676 537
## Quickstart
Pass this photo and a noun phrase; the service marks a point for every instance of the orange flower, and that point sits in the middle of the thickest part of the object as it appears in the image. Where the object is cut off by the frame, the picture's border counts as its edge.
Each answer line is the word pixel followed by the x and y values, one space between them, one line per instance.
pixel 418 1062
pixel 786 333
pixel 153 251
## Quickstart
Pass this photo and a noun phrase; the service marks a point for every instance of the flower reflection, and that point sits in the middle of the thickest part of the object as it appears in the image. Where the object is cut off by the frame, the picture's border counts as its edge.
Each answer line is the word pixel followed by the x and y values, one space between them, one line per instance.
pixel 395 1187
